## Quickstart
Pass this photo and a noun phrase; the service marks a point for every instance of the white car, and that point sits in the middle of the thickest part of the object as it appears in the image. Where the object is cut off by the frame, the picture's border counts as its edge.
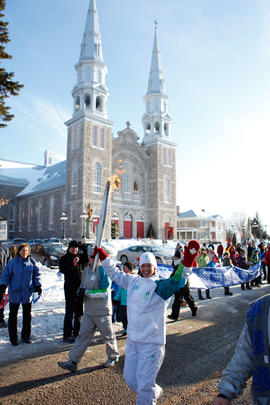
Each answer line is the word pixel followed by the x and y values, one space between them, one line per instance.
pixel 131 253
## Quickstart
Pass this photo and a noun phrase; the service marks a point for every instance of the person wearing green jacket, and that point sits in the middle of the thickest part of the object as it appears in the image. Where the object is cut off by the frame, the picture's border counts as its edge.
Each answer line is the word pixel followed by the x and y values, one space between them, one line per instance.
pixel 202 261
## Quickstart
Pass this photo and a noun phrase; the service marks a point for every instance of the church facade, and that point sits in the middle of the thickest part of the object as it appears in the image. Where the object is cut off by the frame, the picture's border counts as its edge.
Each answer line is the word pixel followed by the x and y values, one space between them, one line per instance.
pixel 146 198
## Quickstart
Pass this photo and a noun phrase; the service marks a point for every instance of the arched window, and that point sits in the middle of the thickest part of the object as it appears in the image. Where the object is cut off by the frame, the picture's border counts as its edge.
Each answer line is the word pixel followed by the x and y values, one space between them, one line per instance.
pixel 157 127
pixel 77 103
pixel 166 129
pixel 127 180
pixel 98 174
pixel 98 103
pixel 167 187
pixel 75 177
pixel 87 101
pixel 147 128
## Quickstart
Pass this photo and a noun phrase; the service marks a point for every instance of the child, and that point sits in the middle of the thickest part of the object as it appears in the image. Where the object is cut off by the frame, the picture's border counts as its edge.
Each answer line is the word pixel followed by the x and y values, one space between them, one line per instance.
pixel 121 295
pixel 146 307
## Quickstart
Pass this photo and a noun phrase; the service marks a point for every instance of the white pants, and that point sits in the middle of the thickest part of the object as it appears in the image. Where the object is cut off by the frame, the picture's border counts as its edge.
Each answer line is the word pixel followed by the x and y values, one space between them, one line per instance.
pixel 88 328
pixel 142 364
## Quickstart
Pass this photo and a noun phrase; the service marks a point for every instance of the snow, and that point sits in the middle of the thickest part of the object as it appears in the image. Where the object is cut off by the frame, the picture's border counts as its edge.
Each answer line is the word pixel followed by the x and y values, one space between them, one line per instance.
pixel 48 312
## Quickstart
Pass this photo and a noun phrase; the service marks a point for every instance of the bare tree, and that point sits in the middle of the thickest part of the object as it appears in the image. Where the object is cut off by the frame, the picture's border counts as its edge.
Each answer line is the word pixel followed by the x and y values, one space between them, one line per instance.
pixel 240 220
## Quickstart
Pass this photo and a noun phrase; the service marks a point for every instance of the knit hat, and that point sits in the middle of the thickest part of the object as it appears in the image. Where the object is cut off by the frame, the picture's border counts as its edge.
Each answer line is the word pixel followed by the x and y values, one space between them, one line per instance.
pixel 148 257
pixel 73 243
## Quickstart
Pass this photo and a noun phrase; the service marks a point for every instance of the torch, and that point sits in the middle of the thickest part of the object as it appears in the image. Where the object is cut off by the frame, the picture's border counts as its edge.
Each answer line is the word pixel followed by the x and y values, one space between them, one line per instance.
pixel 111 184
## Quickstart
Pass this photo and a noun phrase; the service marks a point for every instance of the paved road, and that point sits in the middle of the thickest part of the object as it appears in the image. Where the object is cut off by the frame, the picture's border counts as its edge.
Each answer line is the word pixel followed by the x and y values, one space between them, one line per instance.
pixel 196 352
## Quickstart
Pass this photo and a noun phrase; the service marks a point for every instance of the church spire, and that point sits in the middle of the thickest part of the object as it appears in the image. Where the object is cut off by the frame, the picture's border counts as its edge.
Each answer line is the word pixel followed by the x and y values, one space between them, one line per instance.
pixel 156 119
pixel 91 47
pixel 156 80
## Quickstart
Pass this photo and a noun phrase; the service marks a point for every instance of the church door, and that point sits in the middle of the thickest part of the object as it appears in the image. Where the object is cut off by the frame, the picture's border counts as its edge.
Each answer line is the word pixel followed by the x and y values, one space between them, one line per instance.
pixel 140 229
pixel 127 229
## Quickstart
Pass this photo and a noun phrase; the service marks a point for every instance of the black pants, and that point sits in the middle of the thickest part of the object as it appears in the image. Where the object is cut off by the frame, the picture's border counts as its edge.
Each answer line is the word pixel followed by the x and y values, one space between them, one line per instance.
pixel 178 296
pixel 12 322
pixel 72 321
pixel 124 316
pixel 2 314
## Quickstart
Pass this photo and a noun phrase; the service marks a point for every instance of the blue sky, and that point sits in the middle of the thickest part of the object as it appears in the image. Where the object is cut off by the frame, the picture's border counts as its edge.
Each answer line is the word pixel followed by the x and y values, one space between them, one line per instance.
pixel 215 57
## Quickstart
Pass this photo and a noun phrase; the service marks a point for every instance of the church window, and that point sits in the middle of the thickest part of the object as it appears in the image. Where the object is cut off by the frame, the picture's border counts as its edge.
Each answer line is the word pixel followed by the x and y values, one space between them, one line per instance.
pixel 30 215
pixel 98 103
pixel 77 103
pixel 94 137
pixel 157 127
pixel 147 129
pixel 127 180
pixel 20 216
pixel 40 204
pixel 169 157
pixel 102 138
pixel 166 129
pixel 87 101
pixel 73 215
pixel 75 175
pixel 98 177
pixel 164 156
pixel 167 190
pixel 51 212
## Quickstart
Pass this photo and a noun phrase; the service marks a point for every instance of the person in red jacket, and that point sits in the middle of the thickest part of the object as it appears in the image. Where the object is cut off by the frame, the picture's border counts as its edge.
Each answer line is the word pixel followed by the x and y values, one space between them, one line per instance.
pixel 220 250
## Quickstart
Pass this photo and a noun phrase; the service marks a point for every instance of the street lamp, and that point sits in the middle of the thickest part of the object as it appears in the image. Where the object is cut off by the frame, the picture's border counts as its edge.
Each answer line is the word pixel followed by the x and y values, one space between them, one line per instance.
pixel 63 219
pixel 83 217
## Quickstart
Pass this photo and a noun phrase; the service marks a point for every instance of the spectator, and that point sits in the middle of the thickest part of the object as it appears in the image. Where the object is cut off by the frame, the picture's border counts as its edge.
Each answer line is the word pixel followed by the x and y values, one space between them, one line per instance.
pixel 266 260
pixel 183 292
pixel 250 358
pixel 4 258
pixel 220 251
pixel 226 263
pixel 71 265
pixel 253 260
pixel 203 261
pixel 243 264
pixel 22 277
pixel 95 289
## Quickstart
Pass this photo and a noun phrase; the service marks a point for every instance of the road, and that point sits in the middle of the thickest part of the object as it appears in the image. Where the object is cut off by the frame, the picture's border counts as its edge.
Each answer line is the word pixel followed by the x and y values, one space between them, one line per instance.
pixel 197 350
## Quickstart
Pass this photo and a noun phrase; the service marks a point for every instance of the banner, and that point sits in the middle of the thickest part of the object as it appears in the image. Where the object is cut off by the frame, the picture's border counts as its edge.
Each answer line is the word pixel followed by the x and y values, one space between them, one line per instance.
pixel 213 277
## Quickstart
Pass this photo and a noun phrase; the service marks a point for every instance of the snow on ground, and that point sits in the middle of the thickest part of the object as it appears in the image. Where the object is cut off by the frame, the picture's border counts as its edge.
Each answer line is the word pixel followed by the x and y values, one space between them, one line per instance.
pixel 48 312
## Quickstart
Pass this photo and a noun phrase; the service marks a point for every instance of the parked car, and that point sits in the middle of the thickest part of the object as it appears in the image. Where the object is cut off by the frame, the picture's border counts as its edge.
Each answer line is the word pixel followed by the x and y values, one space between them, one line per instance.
pixel 34 241
pixel 48 254
pixel 131 253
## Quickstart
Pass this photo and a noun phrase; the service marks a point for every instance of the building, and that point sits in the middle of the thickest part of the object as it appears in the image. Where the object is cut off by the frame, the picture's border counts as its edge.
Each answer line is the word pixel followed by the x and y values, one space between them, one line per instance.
pixel 202 227
pixel 147 195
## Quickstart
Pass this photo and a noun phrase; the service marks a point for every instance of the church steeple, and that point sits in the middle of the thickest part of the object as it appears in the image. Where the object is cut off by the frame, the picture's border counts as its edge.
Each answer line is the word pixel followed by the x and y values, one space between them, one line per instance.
pixel 90 94
pixel 156 120
pixel 91 47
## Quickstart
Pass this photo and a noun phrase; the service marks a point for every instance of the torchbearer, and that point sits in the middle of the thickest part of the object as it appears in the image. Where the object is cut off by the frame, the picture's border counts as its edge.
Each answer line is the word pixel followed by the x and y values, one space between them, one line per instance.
pixel 147 297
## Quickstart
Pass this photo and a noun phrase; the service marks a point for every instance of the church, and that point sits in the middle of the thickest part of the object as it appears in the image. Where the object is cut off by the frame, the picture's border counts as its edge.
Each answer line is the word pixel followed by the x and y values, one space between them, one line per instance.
pixel 44 199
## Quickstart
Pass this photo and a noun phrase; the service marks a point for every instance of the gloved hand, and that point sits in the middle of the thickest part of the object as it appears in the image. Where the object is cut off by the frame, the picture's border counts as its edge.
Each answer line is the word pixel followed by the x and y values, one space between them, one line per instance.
pixel 81 293
pixel 191 251
pixel 102 254
pixel 38 289
pixel 2 288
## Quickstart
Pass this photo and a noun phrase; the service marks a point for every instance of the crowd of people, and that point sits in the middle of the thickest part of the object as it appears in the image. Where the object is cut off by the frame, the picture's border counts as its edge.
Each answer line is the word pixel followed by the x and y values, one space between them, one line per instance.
pixel 143 299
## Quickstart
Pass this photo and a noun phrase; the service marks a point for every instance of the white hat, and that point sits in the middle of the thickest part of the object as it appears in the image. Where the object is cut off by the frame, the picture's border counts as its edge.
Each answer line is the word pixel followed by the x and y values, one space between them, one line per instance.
pixel 148 257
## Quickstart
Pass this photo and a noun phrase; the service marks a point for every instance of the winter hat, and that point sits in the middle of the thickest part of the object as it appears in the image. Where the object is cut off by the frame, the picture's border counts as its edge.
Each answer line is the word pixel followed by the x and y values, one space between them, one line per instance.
pixel 177 254
pixel 148 257
pixel 73 243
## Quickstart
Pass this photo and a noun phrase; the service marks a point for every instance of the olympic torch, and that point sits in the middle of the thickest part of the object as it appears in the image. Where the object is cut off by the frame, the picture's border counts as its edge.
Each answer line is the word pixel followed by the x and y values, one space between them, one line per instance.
pixel 111 184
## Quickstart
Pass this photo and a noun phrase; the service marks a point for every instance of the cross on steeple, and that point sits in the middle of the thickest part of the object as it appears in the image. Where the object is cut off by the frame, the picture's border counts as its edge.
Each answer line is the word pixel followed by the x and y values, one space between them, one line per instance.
pixel 128 124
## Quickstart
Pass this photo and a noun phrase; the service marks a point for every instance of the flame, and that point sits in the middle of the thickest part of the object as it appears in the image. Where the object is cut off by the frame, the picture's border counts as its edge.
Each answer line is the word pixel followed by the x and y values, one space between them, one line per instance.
pixel 115 182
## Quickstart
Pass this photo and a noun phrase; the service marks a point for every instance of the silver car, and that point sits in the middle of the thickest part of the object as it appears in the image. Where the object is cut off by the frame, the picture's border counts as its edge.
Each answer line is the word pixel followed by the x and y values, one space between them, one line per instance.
pixel 131 253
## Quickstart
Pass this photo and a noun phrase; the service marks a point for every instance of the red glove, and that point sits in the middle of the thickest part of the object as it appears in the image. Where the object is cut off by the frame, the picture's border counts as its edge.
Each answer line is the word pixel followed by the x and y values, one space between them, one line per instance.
pixel 191 251
pixel 102 254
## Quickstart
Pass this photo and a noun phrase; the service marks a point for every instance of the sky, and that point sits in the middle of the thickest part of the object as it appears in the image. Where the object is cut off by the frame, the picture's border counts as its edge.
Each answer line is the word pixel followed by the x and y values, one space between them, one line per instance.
pixel 215 58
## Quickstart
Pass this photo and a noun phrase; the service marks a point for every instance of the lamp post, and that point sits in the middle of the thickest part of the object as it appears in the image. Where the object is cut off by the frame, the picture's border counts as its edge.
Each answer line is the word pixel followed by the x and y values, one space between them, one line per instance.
pixel 83 217
pixel 63 219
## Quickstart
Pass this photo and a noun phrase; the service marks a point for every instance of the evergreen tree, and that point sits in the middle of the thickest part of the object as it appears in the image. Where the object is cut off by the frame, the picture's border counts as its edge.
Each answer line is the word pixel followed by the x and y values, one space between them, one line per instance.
pixel 8 87
pixel 257 228
pixel 114 231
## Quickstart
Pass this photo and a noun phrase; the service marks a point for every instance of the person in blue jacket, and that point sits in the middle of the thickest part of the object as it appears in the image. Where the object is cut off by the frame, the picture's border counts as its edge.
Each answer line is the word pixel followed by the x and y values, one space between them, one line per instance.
pixel 22 276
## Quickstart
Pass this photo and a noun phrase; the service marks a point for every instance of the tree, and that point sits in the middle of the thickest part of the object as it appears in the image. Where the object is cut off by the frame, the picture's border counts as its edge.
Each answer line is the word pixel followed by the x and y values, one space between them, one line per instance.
pixel 240 219
pixel 8 87
pixel 114 231
pixel 257 228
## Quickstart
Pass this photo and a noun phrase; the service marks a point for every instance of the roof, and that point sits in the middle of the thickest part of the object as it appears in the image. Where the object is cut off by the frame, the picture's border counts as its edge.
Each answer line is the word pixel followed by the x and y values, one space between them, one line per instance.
pixel 188 214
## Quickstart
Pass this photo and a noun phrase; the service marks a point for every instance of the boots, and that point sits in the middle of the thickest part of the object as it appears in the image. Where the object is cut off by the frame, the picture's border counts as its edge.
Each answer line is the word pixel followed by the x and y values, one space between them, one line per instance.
pixel 207 292
pixel 200 294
